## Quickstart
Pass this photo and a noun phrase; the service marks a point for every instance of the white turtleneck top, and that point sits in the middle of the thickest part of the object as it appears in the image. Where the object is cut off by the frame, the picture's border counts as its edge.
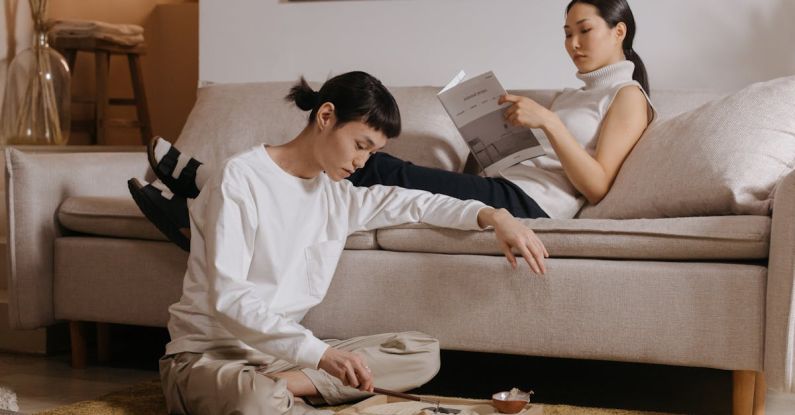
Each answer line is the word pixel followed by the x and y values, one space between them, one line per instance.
pixel 581 111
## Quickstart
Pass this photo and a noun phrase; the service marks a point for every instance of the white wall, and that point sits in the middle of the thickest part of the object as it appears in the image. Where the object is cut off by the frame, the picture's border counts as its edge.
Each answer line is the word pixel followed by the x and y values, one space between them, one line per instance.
pixel 704 44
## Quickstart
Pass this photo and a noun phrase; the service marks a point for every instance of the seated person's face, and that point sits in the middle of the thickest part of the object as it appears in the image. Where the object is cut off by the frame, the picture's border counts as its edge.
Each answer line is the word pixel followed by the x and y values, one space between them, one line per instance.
pixel 591 44
pixel 347 147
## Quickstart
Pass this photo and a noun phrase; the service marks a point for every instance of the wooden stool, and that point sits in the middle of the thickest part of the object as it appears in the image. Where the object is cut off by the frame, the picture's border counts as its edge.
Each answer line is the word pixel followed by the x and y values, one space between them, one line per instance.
pixel 102 51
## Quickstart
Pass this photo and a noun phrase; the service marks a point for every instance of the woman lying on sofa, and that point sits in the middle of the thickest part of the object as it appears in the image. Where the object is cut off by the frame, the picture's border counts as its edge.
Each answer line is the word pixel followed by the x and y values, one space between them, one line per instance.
pixel 591 130
pixel 272 213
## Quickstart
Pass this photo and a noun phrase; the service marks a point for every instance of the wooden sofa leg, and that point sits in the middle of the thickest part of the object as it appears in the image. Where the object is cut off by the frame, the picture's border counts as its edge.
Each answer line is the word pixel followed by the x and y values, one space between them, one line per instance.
pixel 103 342
pixel 760 393
pixel 77 335
pixel 748 393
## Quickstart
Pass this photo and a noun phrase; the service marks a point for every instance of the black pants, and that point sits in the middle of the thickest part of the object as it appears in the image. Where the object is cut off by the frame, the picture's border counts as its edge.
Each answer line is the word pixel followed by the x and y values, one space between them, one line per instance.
pixel 384 169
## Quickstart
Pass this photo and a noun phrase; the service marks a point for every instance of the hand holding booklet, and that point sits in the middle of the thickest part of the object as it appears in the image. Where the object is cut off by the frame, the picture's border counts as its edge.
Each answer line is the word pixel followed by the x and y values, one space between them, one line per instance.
pixel 495 143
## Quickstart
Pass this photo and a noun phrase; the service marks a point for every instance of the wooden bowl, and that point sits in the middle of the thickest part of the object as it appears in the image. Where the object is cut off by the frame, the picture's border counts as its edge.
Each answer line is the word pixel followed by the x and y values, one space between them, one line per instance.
pixel 501 402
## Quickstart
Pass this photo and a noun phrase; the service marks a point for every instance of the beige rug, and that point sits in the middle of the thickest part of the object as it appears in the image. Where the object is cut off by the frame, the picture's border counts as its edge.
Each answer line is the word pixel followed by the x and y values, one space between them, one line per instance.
pixel 146 398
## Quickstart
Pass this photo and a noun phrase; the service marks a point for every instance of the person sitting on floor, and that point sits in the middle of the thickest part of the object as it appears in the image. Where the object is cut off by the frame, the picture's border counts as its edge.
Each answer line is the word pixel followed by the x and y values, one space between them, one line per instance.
pixel 267 231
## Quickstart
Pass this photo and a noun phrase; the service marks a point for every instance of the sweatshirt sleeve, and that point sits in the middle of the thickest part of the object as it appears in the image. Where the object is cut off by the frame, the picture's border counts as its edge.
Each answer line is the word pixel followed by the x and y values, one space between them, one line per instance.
pixel 230 223
pixel 380 206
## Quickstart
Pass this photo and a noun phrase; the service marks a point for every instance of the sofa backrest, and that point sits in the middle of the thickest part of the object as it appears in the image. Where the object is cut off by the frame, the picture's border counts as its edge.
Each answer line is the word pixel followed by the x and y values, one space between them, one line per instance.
pixel 229 118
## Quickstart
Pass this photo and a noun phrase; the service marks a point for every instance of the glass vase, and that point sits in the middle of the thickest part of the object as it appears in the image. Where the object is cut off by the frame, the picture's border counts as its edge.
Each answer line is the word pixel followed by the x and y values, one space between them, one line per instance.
pixel 37 95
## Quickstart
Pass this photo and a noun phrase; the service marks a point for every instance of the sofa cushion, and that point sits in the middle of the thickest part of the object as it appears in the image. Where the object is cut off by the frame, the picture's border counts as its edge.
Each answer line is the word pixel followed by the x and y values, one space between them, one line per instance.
pixel 120 217
pixel 107 216
pixel 722 158
pixel 229 118
pixel 669 103
pixel 724 237
pixel 698 238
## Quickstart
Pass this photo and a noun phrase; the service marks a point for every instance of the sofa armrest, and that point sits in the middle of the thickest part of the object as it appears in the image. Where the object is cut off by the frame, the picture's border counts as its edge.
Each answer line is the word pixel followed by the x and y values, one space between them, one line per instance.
pixel 38 179
pixel 780 310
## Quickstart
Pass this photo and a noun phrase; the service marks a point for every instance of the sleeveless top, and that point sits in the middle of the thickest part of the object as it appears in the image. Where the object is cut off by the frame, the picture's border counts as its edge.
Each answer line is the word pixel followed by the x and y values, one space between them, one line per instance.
pixel 581 111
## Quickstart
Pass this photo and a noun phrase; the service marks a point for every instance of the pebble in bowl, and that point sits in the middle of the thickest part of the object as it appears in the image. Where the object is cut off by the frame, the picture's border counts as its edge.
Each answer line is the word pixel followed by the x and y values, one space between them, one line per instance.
pixel 510 402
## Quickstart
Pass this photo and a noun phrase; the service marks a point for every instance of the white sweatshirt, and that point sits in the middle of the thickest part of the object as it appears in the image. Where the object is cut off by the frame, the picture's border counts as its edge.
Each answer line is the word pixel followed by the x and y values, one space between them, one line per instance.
pixel 265 245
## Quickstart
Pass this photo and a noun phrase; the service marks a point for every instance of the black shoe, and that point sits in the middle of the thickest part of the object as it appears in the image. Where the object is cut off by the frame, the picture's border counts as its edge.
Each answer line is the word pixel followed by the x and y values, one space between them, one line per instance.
pixel 185 184
pixel 168 215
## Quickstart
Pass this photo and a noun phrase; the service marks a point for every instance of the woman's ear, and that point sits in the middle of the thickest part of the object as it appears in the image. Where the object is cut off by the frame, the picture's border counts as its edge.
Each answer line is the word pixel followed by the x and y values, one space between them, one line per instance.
pixel 325 116
pixel 621 31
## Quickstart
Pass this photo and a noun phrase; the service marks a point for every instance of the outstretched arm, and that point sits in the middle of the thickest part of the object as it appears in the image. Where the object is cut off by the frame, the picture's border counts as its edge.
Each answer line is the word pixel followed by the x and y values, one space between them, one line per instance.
pixel 380 206
pixel 512 234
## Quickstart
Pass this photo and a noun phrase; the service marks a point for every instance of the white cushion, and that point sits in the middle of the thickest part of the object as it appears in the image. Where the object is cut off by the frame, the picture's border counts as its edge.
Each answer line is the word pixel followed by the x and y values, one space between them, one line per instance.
pixel 724 157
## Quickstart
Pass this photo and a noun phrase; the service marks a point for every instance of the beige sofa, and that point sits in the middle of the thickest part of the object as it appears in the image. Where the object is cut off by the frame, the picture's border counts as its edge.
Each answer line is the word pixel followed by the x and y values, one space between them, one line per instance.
pixel 695 291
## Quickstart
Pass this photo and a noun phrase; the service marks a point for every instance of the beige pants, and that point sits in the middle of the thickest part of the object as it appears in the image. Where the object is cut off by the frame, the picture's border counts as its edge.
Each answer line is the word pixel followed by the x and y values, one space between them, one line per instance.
pixel 236 382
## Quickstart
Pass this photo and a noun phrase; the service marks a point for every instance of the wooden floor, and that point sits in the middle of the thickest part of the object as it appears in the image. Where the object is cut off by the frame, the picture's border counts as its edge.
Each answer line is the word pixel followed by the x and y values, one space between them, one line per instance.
pixel 46 382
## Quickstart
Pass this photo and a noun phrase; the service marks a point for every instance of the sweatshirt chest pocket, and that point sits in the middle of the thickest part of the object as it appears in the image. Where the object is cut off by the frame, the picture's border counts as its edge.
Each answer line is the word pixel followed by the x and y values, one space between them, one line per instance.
pixel 321 262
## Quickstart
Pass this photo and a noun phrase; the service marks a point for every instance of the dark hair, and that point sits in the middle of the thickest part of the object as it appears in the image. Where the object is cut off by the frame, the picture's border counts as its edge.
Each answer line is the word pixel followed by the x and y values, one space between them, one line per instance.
pixel 357 96
pixel 614 12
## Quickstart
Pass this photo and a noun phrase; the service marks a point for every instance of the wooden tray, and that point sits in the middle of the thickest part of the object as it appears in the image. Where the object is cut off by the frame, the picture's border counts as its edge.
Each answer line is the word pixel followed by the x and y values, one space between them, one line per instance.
pixel 531 409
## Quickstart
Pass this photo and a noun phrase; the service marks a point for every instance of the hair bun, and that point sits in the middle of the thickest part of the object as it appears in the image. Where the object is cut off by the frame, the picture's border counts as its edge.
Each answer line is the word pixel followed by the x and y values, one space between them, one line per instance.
pixel 304 96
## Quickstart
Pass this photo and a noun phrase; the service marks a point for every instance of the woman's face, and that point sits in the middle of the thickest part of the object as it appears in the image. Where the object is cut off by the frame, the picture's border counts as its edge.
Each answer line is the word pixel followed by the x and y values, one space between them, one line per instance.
pixel 340 151
pixel 591 44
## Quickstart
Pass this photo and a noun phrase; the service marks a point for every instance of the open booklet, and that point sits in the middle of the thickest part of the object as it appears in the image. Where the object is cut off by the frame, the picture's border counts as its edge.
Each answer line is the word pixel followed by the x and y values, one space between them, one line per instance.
pixel 495 143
